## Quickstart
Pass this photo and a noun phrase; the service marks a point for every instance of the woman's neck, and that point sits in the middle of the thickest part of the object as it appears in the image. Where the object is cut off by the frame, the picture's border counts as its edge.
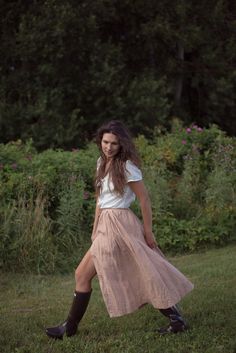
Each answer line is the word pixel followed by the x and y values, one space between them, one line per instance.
pixel 108 164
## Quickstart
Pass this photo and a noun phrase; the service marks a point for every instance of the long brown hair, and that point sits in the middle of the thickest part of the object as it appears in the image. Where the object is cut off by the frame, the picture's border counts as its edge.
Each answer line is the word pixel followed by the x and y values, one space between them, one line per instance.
pixel 126 152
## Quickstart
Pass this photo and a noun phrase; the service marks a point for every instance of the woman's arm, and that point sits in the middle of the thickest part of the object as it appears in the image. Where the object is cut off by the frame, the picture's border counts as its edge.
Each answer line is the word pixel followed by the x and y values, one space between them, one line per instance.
pixel 140 191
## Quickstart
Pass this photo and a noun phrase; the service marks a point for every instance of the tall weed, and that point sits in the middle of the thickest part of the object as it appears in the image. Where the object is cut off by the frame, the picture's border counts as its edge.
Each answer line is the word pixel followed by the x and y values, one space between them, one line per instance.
pixel 47 199
pixel 26 236
pixel 69 232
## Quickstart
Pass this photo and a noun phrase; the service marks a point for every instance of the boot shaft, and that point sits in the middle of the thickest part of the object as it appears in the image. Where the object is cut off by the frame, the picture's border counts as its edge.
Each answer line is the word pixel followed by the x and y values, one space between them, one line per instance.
pixel 78 308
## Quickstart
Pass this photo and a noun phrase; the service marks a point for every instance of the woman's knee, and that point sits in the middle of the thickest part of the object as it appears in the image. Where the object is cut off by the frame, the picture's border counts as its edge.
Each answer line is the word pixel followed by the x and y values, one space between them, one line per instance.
pixel 79 275
pixel 82 276
pixel 86 270
pixel 83 282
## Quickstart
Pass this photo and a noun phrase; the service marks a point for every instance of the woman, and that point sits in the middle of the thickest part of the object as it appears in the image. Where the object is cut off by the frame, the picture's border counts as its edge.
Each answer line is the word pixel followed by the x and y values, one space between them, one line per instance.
pixel 131 269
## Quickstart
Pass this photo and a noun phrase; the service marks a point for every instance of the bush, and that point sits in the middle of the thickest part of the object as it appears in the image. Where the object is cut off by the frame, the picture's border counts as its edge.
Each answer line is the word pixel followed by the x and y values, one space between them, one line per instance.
pixel 48 202
pixel 43 214
pixel 190 174
pixel 26 236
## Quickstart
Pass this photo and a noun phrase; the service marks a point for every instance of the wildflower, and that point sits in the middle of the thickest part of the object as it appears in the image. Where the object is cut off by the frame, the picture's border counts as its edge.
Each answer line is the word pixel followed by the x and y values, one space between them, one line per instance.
pixel 183 142
pixel 14 166
pixel 29 157
pixel 1 166
pixel 75 150
pixel 72 178
pixel 195 148
pixel 86 195
pixel 199 129
pixel 188 130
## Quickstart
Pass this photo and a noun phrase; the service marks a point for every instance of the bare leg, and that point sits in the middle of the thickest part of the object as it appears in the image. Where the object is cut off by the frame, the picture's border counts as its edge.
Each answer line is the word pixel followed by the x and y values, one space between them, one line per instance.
pixel 83 278
pixel 84 273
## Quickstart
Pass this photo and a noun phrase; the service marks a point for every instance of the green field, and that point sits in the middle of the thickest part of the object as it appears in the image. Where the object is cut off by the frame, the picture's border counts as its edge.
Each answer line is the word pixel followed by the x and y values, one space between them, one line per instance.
pixel 29 303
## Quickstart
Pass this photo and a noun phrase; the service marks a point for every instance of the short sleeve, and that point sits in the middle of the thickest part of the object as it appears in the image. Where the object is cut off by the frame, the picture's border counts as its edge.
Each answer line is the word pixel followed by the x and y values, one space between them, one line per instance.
pixel 133 173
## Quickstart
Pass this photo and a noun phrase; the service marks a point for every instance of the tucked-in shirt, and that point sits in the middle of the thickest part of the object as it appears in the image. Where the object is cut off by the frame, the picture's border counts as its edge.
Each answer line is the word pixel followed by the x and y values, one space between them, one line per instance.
pixel 109 199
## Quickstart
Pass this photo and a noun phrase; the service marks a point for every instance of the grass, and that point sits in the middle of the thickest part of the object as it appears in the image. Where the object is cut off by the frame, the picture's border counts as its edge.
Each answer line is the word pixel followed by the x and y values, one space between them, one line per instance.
pixel 29 303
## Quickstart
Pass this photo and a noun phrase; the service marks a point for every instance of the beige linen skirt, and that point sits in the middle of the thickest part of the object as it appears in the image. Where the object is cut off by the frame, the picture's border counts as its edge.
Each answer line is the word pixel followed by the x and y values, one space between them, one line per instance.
pixel 130 273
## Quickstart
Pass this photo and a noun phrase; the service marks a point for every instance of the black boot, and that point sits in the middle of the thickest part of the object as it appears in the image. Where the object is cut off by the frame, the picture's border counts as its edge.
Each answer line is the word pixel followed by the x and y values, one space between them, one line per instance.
pixel 78 308
pixel 177 323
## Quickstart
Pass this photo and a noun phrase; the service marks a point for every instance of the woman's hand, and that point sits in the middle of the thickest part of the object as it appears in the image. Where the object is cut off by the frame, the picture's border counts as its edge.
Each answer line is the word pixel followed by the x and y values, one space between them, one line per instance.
pixel 140 191
pixel 150 240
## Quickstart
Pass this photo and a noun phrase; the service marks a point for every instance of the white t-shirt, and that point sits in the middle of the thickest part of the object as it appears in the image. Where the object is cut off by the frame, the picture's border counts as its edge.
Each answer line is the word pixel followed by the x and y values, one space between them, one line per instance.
pixel 109 199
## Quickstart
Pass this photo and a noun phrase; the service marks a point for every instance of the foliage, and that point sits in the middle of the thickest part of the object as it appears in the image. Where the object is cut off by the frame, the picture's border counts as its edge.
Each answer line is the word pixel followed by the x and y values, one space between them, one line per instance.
pixel 68 66
pixel 48 201
pixel 190 174
pixel 43 211
pixel 26 239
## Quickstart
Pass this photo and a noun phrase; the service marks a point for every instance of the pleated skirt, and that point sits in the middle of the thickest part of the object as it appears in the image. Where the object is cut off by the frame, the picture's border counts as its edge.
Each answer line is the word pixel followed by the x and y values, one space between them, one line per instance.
pixel 130 273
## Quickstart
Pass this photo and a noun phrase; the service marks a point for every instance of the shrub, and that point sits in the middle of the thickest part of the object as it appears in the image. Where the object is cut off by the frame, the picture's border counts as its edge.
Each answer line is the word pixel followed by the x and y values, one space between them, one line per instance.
pixel 44 199
pixel 26 238
pixel 190 174
pixel 48 202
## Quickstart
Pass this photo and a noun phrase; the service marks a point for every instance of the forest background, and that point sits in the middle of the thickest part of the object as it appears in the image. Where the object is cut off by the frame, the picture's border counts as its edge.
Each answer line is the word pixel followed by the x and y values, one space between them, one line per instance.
pixel 66 66
pixel 166 68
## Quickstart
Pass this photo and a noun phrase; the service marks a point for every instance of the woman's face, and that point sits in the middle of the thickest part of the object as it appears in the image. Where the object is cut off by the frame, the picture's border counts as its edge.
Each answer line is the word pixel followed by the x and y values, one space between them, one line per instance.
pixel 110 145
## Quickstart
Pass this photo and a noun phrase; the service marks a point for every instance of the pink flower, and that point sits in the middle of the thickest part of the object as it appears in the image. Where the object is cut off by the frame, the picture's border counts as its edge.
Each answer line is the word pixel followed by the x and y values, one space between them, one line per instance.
pixel 199 129
pixel 183 142
pixel 188 130
pixel 86 195
pixel 29 157
pixel 14 166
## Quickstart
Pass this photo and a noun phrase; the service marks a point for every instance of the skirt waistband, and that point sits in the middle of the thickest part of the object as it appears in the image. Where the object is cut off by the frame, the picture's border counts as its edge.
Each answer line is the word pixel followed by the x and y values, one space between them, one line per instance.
pixel 114 208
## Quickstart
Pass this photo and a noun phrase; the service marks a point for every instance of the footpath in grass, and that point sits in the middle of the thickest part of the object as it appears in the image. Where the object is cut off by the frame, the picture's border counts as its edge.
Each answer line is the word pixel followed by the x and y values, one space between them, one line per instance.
pixel 29 303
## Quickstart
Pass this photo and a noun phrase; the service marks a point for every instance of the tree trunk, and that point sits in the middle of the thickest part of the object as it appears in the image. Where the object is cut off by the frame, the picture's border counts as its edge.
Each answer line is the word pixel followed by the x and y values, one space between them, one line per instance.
pixel 180 78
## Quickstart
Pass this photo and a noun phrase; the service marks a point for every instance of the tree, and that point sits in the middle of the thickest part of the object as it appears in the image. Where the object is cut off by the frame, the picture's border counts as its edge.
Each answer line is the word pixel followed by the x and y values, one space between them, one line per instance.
pixel 68 66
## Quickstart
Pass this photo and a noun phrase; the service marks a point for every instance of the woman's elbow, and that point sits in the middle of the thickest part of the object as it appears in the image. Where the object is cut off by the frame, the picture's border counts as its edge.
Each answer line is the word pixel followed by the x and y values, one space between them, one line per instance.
pixel 145 200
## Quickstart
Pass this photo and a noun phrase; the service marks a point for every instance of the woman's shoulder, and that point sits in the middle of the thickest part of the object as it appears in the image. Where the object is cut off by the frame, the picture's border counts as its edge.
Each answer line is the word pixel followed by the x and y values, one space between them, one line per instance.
pixel 131 164
pixel 133 172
